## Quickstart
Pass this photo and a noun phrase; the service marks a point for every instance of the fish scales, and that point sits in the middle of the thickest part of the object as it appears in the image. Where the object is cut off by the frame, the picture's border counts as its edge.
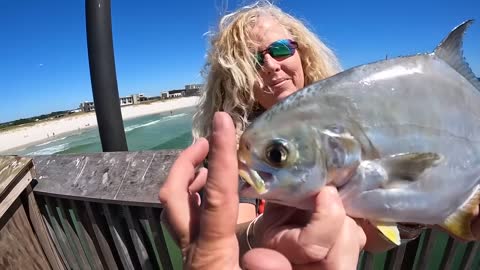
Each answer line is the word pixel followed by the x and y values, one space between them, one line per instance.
pixel 400 138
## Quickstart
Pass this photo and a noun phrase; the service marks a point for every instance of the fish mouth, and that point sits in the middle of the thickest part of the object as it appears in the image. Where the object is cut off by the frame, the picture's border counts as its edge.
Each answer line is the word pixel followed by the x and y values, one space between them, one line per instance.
pixel 254 181
pixel 257 180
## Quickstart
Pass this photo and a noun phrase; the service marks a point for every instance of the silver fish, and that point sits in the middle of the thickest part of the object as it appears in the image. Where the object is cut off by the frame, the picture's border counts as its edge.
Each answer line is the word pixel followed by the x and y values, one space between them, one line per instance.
pixel 399 138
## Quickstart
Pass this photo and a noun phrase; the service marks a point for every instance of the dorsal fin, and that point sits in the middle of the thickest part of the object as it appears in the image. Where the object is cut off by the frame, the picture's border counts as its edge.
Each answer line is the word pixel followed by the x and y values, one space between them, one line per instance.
pixel 451 51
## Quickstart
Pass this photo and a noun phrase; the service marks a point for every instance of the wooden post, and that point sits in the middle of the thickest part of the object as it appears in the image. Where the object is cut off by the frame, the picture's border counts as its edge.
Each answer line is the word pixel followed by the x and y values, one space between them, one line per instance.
pixel 23 243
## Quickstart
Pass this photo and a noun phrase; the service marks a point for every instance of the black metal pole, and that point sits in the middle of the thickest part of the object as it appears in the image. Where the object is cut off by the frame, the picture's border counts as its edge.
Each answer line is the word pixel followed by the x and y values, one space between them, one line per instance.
pixel 103 76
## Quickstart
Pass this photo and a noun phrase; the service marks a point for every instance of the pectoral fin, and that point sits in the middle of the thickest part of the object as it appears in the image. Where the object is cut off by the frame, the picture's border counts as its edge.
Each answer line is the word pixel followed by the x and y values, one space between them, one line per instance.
pixel 408 166
pixel 459 223
pixel 389 230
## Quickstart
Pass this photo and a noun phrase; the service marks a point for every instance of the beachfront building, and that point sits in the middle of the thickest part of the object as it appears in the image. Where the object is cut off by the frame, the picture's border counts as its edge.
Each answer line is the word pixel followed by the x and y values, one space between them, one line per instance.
pixel 193 86
pixel 126 101
pixel 189 90
pixel 132 99
pixel 137 98
pixel 177 93
pixel 193 89
pixel 164 95
pixel 89 106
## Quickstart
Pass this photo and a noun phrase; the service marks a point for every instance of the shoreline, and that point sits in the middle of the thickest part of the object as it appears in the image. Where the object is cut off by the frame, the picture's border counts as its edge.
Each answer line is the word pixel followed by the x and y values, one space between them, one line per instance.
pixel 25 136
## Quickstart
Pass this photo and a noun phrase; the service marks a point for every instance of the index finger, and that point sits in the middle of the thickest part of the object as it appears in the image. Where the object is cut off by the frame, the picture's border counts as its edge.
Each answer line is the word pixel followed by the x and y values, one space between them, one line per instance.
pixel 174 194
pixel 183 169
pixel 221 191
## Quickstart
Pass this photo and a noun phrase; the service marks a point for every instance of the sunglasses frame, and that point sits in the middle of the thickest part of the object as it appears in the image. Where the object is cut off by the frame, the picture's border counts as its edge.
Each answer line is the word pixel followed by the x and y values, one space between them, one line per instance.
pixel 292 45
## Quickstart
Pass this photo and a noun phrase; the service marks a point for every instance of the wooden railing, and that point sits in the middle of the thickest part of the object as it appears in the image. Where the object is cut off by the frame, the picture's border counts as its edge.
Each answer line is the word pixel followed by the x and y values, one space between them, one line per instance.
pixel 432 250
pixel 108 236
pixel 101 211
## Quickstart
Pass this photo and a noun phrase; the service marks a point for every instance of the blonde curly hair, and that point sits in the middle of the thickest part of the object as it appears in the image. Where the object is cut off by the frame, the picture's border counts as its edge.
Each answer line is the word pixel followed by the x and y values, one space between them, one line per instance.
pixel 230 69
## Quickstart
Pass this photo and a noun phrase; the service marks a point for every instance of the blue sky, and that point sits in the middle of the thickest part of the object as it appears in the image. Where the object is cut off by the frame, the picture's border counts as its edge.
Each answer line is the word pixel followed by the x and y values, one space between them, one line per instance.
pixel 160 45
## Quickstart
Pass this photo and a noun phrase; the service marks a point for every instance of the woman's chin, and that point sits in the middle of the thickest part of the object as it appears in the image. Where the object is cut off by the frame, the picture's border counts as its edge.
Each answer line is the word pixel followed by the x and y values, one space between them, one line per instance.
pixel 282 94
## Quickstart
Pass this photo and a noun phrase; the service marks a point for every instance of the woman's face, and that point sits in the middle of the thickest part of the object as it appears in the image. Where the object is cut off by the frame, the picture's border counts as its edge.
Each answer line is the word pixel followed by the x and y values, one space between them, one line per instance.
pixel 281 76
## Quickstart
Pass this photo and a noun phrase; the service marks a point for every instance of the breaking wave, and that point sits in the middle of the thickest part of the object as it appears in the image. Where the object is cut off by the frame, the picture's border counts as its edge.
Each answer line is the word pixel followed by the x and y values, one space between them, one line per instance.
pixel 164 119
pixel 52 141
pixel 50 150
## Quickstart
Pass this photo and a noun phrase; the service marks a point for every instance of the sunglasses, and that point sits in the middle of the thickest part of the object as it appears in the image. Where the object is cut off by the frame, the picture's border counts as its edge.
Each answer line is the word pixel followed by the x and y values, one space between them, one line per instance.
pixel 278 49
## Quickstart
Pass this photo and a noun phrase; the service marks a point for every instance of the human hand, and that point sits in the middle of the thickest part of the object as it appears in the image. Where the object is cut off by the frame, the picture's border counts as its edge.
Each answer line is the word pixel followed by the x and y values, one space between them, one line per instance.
pixel 206 234
pixel 324 239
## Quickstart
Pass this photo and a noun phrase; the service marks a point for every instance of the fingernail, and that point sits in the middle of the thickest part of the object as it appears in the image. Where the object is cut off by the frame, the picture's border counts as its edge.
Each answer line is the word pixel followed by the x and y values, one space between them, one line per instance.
pixel 332 191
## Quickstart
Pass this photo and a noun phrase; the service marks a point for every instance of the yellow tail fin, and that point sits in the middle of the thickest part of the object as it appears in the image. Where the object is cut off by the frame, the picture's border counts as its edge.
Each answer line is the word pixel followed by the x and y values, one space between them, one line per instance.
pixel 389 230
pixel 459 222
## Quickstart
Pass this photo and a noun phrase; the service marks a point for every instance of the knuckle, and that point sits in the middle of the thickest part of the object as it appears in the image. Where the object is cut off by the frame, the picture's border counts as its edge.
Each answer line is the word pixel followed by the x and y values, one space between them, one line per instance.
pixel 216 199
pixel 164 195
pixel 337 214
pixel 313 253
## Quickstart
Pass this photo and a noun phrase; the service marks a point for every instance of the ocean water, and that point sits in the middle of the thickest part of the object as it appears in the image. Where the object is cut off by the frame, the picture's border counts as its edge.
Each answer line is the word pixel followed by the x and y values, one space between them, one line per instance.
pixel 153 132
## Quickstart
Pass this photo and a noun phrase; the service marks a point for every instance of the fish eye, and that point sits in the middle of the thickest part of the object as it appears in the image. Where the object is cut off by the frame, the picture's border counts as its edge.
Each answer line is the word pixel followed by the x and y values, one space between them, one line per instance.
pixel 276 153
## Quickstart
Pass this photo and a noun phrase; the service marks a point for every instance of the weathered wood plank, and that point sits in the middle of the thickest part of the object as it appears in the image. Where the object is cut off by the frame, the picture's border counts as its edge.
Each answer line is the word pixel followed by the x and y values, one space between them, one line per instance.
pixel 132 178
pixel 428 244
pixel 119 238
pixel 368 262
pixel 51 231
pixel 12 167
pixel 42 232
pixel 469 255
pixel 449 254
pixel 410 254
pixel 152 246
pixel 158 238
pixel 74 242
pixel 84 235
pixel 50 213
pixel 137 239
pixel 101 237
pixel 19 247
pixel 361 259
pixel 395 258
pixel 16 186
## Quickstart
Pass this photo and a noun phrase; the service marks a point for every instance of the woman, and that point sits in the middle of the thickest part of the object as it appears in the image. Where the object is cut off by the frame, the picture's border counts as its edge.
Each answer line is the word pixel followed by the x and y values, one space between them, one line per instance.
pixel 259 56
pixel 244 78
pixel 238 85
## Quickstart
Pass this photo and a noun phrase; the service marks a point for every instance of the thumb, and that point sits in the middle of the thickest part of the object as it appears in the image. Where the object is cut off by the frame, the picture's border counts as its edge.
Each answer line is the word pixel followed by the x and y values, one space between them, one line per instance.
pixel 265 259
pixel 219 215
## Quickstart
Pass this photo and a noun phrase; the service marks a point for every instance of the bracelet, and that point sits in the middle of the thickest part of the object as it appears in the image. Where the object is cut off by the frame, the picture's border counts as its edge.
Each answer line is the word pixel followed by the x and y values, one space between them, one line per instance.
pixel 248 235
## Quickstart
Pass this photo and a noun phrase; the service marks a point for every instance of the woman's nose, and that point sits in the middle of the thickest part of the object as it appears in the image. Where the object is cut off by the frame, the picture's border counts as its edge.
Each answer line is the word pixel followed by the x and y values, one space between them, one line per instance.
pixel 270 64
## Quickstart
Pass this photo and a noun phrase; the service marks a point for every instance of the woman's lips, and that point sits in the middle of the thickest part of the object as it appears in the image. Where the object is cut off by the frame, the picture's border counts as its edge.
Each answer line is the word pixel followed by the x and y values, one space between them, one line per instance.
pixel 278 83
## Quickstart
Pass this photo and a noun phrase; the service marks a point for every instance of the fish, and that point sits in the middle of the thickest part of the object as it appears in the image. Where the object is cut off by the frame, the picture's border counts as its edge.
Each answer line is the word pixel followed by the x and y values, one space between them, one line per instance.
pixel 399 138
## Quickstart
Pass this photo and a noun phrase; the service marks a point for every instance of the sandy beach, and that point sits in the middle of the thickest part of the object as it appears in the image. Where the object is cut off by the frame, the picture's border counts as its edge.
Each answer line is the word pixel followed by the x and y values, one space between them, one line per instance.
pixel 44 130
